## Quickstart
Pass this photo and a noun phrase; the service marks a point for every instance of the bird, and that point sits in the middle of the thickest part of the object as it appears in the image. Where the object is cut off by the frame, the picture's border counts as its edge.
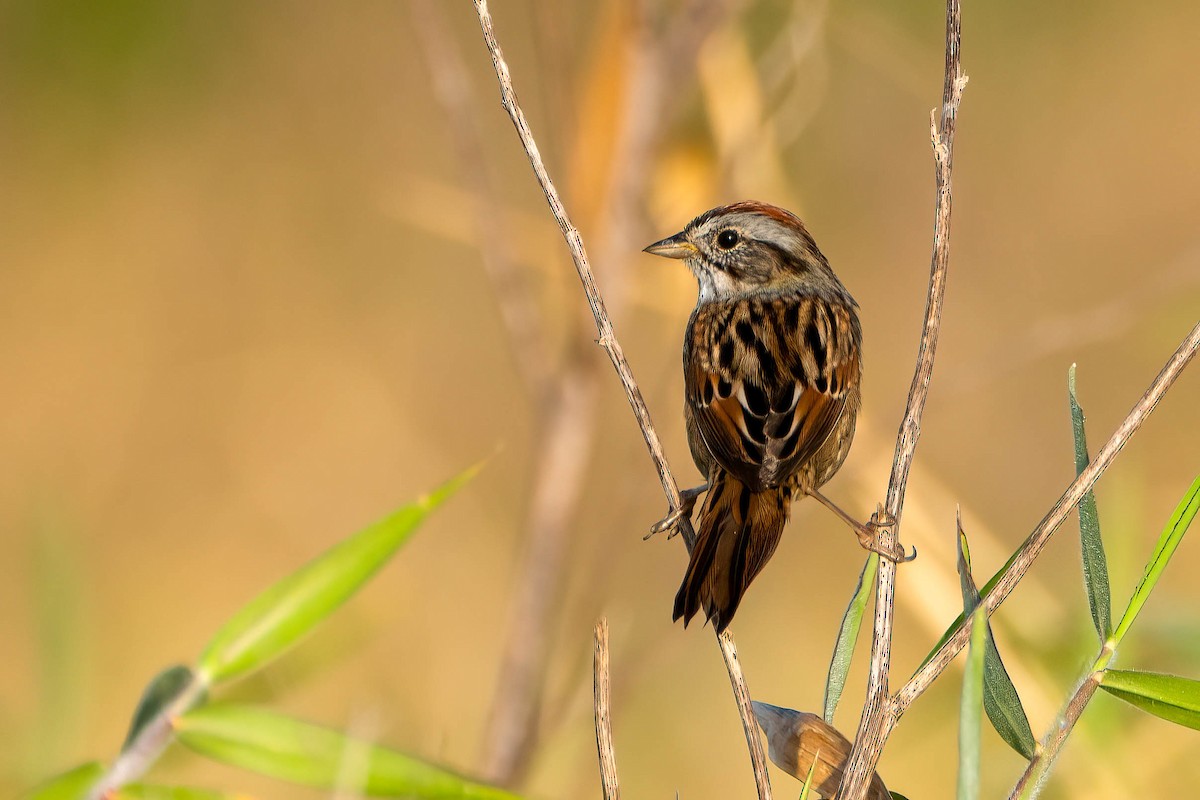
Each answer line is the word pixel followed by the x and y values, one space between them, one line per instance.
pixel 772 366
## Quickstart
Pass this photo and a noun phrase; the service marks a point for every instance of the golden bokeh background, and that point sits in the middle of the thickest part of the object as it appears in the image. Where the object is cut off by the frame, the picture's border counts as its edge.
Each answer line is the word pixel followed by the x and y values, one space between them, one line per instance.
pixel 243 312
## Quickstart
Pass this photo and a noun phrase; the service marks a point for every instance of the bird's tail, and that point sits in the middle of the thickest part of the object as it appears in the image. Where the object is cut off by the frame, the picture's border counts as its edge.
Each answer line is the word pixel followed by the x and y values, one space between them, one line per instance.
pixel 737 535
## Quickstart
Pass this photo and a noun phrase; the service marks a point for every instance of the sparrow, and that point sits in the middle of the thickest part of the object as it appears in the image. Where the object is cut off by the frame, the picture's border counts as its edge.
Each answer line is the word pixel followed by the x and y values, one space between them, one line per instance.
pixel 772 367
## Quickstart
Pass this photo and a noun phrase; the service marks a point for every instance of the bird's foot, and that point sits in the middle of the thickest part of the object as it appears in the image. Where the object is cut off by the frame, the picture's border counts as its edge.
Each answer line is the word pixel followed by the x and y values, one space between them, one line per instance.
pixel 868 534
pixel 687 502
pixel 868 537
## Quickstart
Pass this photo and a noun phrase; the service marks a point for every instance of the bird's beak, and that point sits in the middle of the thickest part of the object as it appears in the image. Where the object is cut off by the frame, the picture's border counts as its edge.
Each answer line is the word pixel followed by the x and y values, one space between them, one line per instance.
pixel 676 246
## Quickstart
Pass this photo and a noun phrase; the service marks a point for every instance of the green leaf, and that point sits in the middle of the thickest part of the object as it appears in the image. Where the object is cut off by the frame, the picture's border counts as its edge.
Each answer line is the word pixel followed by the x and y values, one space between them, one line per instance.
pixel 164 689
pixel 71 785
pixel 285 748
pixel 1000 697
pixel 968 715
pixel 1168 541
pixel 843 649
pixel 275 619
pixel 146 791
pixel 1173 698
pixel 805 790
pixel 1095 563
pixel 957 623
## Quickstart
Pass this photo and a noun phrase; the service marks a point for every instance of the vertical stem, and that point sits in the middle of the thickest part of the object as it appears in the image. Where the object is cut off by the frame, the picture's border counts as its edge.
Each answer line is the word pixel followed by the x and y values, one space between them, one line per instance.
pixel 603 712
pixel 879 713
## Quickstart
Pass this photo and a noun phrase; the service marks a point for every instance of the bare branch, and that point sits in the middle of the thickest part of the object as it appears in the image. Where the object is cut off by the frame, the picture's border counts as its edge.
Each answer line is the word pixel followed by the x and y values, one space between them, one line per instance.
pixel 608 341
pixel 1036 769
pixel 877 716
pixel 604 737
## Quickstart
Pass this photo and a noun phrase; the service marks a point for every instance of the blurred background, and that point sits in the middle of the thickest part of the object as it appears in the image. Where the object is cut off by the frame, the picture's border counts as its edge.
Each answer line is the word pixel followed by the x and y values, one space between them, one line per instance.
pixel 270 270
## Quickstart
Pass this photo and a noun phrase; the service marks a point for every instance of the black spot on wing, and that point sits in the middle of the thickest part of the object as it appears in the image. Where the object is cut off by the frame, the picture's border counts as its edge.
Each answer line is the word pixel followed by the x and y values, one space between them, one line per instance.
pixel 799 375
pixel 812 338
pixel 725 355
pixel 755 428
pixel 744 502
pixel 821 384
pixel 745 332
pixel 791 318
pixel 766 364
pixel 756 399
pixel 708 392
pixel 724 388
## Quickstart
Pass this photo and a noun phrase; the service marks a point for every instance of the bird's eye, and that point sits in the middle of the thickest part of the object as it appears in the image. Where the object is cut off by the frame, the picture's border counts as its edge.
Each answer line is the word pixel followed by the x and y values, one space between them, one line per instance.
pixel 727 239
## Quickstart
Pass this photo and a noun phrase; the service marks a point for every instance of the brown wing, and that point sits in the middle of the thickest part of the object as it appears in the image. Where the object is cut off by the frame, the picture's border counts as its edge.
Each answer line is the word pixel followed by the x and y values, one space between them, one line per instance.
pixel 768 381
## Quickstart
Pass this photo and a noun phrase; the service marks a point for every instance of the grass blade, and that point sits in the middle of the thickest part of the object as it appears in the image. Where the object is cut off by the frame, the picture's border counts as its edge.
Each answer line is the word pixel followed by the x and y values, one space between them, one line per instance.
pixel 969 723
pixel 843 649
pixel 1170 697
pixel 71 785
pixel 283 613
pixel 1095 563
pixel 806 790
pixel 1168 541
pixel 1000 698
pixel 285 748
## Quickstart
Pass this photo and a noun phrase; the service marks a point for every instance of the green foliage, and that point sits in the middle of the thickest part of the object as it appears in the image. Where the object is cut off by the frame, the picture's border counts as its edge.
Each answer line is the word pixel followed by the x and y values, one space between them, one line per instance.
pixel 1000 698
pixel 806 789
pixel 843 649
pixel 285 748
pixel 166 687
pixel 71 785
pixel 1095 563
pixel 969 723
pixel 269 743
pixel 1167 696
pixel 1168 542
pixel 275 619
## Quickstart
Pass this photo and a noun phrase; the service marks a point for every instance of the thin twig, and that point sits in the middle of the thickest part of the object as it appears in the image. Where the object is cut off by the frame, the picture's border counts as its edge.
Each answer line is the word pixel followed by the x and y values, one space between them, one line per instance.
pixel 140 754
pixel 877 717
pixel 608 341
pixel 566 398
pixel 603 711
pixel 1038 766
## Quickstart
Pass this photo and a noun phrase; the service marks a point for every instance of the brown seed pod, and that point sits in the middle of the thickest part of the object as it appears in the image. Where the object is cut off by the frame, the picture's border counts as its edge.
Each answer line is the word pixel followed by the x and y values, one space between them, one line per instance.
pixel 795 738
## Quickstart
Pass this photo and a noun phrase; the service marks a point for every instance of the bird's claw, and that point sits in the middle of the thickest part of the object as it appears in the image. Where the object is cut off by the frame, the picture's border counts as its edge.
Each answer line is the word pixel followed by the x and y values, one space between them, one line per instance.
pixel 668 523
pixel 868 537
pixel 687 501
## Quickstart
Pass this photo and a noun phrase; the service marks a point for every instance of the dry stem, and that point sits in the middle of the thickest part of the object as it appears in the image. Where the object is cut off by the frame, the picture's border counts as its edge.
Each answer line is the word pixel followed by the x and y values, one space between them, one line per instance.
pixel 600 699
pixel 882 711
pixel 877 718
pixel 607 340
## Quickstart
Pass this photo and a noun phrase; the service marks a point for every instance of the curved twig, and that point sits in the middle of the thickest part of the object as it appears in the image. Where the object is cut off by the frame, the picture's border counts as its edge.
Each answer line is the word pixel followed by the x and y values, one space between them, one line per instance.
pixel 608 341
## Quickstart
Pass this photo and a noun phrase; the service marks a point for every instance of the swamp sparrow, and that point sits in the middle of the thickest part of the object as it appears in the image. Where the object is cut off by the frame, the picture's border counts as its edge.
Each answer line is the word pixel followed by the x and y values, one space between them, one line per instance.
pixel 772 367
